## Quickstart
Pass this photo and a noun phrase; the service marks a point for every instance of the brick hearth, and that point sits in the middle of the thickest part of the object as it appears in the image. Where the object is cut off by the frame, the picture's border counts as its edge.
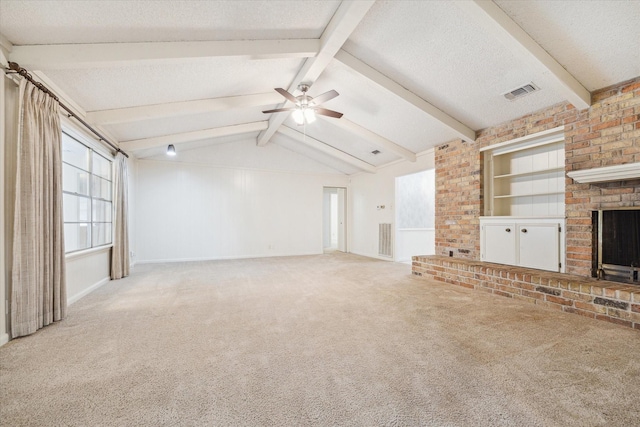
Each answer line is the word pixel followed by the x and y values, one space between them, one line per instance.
pixel 598 299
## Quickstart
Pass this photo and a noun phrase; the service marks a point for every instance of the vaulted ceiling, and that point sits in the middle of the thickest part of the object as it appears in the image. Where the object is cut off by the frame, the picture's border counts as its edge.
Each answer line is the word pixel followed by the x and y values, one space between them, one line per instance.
pixel 411 74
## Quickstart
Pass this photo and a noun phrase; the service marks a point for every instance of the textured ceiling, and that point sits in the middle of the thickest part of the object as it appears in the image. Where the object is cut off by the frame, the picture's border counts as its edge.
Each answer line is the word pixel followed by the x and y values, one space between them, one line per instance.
pixel 103 21
pixel 172 125
pixel 439 53
pixel 243 152
pixel 410 54
pixel 119 87
pixel 605 35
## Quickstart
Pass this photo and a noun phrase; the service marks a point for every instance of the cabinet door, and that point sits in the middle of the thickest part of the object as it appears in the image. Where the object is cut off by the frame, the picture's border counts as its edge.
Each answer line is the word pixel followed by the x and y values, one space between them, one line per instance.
pixel 498 243
pixel 539 246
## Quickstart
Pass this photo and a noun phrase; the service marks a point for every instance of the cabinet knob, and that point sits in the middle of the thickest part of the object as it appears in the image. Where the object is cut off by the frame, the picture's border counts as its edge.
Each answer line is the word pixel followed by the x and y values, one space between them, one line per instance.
pixel 524 230
pixel 508 230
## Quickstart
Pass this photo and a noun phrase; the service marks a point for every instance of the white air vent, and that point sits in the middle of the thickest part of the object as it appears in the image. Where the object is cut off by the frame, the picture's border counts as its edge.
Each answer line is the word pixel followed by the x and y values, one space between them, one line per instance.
pixel 385 242
pixel 521 91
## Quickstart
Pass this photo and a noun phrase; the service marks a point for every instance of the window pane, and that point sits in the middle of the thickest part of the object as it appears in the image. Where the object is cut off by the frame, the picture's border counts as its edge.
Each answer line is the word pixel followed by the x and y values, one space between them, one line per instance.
pixel 76 208
pixel 76 237
pixel 101 166
pixel 75 180
pixel 101 234
pixel 74 153
pixel 416 200
pixel 101 211
pixel 101 188
pixel 86 182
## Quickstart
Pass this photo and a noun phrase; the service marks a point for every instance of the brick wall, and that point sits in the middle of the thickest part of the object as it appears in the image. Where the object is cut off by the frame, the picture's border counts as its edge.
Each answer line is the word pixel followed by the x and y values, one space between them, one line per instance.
pixel 607 133
pixel 458 199
pixel 459 179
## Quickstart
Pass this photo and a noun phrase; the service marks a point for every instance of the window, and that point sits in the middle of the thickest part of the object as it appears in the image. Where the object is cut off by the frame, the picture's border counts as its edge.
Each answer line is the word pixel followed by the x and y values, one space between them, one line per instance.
pixel 416 200
pixel 86 186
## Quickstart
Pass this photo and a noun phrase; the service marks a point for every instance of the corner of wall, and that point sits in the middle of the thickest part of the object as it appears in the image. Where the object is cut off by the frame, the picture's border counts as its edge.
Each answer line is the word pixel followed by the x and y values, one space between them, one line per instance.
pixel 4 337
pixel 458 199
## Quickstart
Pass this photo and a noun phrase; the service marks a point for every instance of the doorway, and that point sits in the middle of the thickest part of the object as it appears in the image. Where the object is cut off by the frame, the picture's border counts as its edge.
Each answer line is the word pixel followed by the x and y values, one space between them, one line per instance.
pixel 334 232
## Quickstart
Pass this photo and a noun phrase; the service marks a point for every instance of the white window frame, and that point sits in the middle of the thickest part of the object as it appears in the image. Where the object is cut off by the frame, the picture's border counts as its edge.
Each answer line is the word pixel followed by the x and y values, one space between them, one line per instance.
pixel 79 138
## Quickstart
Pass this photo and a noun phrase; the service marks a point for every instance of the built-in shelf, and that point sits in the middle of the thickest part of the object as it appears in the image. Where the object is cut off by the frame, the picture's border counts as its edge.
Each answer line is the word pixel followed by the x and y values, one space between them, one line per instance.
pixel 536 172
pixel 529 167
pixel 524 187
pixel 607 173
pixel 510 196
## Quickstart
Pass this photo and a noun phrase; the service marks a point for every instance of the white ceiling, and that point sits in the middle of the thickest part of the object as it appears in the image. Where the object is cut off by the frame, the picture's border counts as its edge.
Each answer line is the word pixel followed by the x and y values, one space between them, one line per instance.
pixel 411 74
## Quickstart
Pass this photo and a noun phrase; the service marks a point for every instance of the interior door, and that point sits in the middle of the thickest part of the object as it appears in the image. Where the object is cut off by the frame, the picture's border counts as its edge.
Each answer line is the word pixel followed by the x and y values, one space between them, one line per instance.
pixel 342 226
pixel 498 243
pixel 539 246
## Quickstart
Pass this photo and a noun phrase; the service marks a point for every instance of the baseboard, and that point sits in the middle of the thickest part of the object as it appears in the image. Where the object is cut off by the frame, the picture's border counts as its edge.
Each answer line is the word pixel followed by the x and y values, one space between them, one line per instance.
pixel 381 258
pixel 76 297
pixel 222 258
pixel 4 338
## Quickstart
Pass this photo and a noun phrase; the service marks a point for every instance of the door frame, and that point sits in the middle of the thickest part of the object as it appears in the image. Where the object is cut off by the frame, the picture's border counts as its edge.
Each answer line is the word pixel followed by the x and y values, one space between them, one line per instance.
pixel 342 214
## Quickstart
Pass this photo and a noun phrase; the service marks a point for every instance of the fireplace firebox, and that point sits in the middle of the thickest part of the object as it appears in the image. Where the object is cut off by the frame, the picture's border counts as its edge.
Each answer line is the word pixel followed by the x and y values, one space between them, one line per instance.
pixel 617 244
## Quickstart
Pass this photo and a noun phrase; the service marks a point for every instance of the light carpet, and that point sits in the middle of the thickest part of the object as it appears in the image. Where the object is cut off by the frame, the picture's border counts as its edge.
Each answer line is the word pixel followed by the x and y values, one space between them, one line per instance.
pixel 326 340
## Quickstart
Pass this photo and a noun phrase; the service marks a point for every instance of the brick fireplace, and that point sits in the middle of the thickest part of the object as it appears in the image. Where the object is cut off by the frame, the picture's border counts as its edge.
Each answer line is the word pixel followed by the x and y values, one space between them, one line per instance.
pixel 606 134
pixel 616 240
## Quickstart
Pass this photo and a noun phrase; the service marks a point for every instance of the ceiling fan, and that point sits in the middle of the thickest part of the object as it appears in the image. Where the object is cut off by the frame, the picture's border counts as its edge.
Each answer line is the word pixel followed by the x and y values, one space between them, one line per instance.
pixel 306 107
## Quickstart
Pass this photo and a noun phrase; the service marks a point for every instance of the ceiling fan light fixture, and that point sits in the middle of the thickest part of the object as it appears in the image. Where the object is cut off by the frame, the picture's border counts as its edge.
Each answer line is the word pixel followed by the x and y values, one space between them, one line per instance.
pixel 306 108
pixel 309 115
pixel 298 116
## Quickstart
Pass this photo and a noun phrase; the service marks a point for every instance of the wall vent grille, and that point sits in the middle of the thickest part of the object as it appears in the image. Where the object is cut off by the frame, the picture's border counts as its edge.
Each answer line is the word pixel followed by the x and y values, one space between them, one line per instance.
pixel 385 240
pixel 521 91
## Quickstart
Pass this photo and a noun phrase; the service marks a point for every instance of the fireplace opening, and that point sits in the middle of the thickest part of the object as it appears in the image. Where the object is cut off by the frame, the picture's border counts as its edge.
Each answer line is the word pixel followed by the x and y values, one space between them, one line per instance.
pixel 617 255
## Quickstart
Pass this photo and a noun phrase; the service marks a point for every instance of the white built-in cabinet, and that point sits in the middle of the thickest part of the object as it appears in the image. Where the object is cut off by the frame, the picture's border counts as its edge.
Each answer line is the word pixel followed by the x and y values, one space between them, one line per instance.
pixel 524 202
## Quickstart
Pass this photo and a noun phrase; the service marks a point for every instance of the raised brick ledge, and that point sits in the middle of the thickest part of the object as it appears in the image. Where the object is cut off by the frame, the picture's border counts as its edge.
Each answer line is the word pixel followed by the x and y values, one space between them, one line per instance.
pixel 598 299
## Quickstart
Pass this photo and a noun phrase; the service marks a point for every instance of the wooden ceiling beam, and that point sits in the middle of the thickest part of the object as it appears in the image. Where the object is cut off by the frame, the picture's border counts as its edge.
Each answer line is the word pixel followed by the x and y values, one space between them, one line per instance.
pixel 379 141
pixel 327 149
pixel 178 138
pixel 463 131
pixel 175 109
pixel 342 24
pixel 60 56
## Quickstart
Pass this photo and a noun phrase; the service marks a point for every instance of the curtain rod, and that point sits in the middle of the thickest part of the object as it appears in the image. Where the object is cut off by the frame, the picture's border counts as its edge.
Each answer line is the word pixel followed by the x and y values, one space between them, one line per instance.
pixel 14 67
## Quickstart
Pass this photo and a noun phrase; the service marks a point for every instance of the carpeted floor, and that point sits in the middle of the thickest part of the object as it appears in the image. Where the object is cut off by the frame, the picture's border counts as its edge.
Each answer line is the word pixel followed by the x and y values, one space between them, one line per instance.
pixel 327 340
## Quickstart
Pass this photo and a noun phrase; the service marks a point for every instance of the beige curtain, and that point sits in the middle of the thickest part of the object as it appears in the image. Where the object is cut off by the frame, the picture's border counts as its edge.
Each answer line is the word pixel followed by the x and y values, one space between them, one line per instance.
pixel 38 287
pixel 120 251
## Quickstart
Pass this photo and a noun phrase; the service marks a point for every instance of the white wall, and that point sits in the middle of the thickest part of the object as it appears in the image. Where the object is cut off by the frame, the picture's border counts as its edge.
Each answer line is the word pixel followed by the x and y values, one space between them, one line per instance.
pixel 86 272
pixel 5 104
pixel 132 165
pixel 326 217
pixel 367 191
pixel 9 135
pixel 4 337
pixel 414 242
pixel 189 211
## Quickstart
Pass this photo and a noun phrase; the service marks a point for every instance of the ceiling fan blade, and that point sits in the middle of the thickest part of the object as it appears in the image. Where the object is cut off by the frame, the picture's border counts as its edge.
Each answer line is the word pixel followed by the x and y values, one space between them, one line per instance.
pixel 329 113
pixel 325 97
pixel 279 110
pixel 287 95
